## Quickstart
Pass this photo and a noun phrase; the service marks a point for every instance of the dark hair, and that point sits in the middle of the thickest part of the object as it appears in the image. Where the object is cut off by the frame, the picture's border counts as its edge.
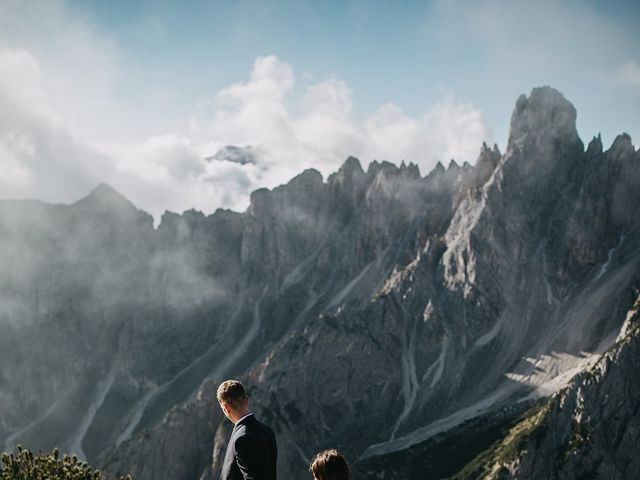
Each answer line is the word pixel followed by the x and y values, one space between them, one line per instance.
pixel 330 465
pixel 231 393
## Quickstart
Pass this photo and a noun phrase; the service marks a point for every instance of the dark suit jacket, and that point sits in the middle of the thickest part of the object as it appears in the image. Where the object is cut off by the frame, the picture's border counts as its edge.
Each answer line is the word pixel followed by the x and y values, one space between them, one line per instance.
pixel 251 452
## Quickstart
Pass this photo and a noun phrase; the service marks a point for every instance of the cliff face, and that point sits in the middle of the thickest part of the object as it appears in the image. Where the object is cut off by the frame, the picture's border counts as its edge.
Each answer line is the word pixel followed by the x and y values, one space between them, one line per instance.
pixel 490 305
pixel 99 313
pixel 372 312
pixel 590 429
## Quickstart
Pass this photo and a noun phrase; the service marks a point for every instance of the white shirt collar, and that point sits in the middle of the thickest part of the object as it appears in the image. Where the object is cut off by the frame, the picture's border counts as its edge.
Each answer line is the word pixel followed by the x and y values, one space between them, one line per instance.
pixel 242 418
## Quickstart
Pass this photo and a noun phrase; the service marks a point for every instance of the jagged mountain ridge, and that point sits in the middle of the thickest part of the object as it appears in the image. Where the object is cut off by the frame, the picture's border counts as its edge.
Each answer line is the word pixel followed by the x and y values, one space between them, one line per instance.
pixel 417 289
pixel 154 296
pixel 293 383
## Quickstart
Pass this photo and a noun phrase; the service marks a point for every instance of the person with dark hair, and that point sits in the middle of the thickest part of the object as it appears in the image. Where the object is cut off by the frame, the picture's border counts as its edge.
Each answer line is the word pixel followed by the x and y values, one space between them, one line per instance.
pixel 251 452
pixel 330 465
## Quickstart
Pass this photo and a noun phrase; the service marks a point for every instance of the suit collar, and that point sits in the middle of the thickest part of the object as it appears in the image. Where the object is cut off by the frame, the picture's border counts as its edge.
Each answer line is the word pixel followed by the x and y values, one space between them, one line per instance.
pixel 244 420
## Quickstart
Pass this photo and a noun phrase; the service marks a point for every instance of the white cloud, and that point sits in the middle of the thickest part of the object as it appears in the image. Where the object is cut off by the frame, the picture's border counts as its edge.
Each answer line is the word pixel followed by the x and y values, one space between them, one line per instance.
pixel 39 155
pixel 14 174
pixel 79 68
pixel 163 158
pixel 253 112
pixel 61 119
pixel 169 172
pixel 42 155
pixel 65 124
pixel 21 85
pixel 629 75
pixel 326 131
pixel 261 112
pixel 449 130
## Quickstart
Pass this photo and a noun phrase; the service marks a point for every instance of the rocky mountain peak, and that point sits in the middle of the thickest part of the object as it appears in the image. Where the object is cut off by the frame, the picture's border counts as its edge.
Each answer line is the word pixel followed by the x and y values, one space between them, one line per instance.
pixel 387 168
pixel 486 152
pixel 104 197
pixel 546 113
pixel 371 312
pixel 622 145
pixel 351 167
pixel 488 157
pixel 310 177
pixel 442 178
pixel 410 170
pixel 231 153
pixel 436 172
pixel 348 173
pixel 595 146
pixel 486 163
pixel 303 189
pixel 259 200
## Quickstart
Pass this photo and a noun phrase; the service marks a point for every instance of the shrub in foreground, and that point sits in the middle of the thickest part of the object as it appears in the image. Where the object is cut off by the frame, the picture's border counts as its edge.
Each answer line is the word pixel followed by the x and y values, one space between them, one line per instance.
pixel 24 465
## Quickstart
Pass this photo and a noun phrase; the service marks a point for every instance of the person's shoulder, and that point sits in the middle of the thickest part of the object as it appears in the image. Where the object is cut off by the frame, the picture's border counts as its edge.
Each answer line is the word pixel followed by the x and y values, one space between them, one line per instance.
pixel 246 438
pixel 266 429
pixel 247 427
pixel 239 431
pixel 253 427
pixel 263 425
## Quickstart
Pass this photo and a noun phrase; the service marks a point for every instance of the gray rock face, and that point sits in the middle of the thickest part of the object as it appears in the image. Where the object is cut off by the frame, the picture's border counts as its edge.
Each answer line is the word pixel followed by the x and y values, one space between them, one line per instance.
pixel 104 318
pixel 372 312
pixel 231 153
pixel 589 430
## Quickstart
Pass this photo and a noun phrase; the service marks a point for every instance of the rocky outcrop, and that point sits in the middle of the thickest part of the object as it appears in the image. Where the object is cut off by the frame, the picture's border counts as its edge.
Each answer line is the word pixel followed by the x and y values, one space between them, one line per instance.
pixel 591 429
pixel 231 153
pixel 482 294
pixel 186 449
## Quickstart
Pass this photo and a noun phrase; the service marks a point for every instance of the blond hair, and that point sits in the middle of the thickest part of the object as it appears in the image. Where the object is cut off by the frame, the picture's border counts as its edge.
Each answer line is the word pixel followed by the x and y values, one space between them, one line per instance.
pixel 231 393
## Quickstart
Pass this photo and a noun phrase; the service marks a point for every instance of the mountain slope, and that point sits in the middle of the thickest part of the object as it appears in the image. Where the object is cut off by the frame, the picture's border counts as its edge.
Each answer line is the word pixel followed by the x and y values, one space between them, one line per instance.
pixel 493 286
pixel 372 311
pixel 588 430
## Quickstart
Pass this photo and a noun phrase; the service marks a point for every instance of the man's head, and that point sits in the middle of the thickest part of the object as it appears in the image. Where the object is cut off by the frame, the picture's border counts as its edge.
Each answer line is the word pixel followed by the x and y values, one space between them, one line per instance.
pixel 233 400
pixel 329 465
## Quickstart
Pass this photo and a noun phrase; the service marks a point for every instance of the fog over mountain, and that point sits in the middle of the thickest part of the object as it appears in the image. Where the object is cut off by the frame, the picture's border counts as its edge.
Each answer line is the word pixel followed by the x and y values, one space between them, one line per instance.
pixel 417 323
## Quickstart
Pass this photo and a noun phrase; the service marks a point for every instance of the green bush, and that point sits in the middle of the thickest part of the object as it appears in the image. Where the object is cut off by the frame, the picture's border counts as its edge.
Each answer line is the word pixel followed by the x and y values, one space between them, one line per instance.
pixel 24 465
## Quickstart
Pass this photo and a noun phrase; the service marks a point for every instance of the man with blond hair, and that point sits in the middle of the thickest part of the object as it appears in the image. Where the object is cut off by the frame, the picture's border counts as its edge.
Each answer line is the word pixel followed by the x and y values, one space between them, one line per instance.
pixel 251 452
pixel 329 465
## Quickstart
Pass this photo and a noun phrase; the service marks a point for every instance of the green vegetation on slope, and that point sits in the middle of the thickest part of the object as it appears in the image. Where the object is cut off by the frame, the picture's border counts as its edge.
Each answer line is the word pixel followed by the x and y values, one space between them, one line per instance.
pixel 509 447
pixel 24 465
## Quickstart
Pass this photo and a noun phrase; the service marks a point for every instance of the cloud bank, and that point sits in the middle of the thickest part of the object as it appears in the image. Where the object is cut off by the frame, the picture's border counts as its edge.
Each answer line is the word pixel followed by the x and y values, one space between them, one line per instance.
pixel 84 101
pixel 43 156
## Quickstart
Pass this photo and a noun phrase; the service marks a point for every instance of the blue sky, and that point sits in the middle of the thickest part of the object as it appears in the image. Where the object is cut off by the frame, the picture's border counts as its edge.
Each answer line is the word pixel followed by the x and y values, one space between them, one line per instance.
pixel 406 52
pixel 170 81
